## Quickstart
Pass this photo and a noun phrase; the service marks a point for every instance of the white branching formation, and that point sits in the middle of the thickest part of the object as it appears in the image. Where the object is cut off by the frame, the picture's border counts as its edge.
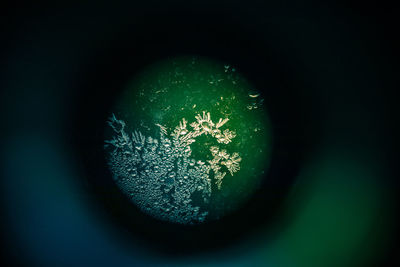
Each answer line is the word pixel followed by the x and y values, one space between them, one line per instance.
pixel 161 177
pixel 204 125
pixel 221 157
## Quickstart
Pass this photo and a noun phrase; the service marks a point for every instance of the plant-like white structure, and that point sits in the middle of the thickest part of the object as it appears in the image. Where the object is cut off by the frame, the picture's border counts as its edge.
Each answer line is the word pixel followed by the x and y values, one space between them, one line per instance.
pixel 205 125
pixel 160 176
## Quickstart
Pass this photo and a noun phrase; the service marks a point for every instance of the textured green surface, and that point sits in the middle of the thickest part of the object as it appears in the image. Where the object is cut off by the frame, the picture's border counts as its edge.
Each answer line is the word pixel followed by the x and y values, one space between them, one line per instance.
pixel 173 89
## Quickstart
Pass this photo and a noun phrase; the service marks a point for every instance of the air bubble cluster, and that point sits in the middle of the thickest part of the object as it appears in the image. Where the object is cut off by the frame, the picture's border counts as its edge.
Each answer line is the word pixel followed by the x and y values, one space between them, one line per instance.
pixel 161 177
pixel 158 175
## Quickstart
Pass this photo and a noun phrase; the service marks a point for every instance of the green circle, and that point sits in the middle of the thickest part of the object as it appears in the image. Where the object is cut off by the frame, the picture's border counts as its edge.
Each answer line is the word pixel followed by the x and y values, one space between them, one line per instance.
pixel 225 120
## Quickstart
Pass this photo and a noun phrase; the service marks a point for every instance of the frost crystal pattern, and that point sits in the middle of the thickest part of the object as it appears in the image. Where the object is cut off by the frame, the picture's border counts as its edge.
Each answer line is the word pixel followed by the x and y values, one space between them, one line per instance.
pixel 161 177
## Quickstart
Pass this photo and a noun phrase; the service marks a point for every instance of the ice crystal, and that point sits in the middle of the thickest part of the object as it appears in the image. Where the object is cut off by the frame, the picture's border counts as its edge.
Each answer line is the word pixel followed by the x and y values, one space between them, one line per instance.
pixel 160 176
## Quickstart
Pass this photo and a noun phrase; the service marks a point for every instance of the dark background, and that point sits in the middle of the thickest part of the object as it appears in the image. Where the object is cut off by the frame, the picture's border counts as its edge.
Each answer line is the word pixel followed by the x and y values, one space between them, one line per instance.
pixel 328 72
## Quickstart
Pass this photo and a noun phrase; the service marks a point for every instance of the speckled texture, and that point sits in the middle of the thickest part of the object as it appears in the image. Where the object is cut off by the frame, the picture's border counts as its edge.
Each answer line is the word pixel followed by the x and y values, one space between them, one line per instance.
pixel 187 140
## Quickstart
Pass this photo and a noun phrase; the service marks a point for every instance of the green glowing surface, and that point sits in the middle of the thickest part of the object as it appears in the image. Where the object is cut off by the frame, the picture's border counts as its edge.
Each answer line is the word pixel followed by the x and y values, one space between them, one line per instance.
pixel 167 92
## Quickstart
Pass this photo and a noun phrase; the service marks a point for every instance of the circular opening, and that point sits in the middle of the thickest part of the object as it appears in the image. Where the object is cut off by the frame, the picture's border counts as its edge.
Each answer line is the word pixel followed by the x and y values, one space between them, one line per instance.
pixel 188 140
pixel 123 68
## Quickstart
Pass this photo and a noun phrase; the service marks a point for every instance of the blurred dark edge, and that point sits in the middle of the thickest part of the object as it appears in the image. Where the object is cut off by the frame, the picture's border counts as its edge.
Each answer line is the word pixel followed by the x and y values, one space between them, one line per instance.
pixel 294 134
